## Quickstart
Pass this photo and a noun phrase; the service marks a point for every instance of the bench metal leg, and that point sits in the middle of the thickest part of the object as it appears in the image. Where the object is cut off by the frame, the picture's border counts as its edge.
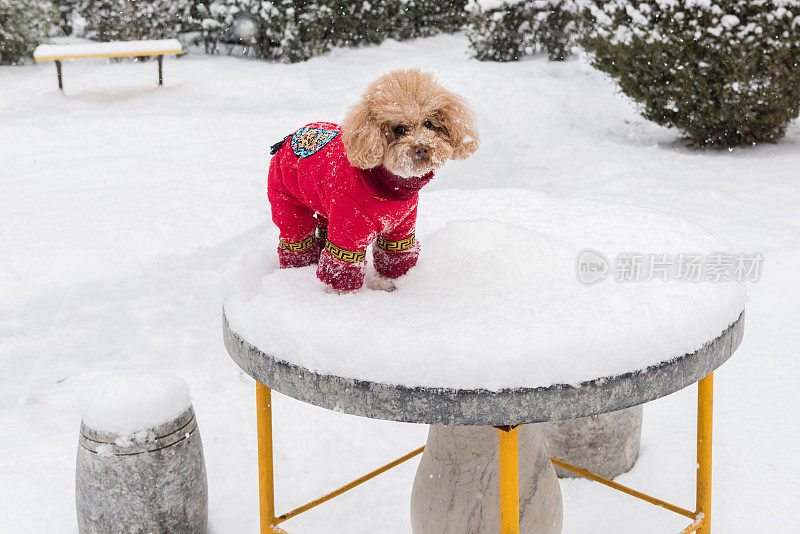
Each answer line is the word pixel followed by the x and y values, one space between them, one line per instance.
pixel 58 73
pixel 705 416
pixel 160 70
pixel 509 480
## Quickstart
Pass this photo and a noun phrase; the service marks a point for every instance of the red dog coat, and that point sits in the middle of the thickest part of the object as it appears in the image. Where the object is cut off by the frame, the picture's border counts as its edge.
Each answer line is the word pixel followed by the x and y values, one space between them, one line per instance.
pixel 310 175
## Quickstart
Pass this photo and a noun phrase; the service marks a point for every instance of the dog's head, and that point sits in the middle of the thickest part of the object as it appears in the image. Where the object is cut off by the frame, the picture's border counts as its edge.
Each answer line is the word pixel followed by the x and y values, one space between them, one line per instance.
pixel 410 124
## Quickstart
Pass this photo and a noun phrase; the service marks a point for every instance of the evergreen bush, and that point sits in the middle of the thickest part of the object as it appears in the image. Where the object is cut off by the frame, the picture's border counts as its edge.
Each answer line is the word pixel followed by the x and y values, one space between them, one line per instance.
pixel 513 30
pixel 24 24
pixel 66 10
pixel 296 30
pixel 349 23
pixel 410 19
pixel 211 25
pixel 725 73
pixel 112 20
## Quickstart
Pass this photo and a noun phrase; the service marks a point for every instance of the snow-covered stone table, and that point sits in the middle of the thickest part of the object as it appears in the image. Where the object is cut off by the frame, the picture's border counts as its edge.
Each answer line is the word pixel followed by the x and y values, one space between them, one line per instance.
pixel 523 309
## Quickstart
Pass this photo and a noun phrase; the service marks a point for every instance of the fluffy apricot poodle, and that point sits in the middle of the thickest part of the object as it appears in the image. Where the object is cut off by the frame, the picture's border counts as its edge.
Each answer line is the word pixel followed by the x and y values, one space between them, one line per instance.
pixel 334 189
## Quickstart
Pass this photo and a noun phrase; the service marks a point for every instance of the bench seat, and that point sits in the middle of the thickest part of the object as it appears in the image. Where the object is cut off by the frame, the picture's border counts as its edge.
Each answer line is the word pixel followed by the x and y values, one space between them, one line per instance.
pixel 159 47
pixel 58 52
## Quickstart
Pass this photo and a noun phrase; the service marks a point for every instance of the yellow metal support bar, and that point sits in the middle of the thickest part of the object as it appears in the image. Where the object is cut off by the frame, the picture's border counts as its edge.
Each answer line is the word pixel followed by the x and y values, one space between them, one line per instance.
pixel 509 470
pixel 624 489
pixel 347 487
pixel 693 527
pixel 509 481
pixel 705 417
pixel 266 484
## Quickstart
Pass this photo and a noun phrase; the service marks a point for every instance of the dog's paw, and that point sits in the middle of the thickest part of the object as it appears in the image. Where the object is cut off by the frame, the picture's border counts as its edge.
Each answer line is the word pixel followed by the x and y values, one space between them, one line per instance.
pixel 381 283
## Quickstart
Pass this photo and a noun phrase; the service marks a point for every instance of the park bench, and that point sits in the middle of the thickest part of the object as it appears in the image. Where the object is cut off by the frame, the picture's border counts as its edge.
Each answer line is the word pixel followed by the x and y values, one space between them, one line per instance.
pixel 58 52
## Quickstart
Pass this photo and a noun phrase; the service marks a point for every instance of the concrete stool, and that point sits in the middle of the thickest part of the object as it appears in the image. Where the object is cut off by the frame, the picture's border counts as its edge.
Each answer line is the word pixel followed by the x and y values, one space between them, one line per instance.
pixel 606 444
pixel 142 482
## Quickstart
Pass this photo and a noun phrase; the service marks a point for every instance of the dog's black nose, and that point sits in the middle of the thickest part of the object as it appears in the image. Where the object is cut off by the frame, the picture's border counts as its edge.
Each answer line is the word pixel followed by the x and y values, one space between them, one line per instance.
pixel 421 151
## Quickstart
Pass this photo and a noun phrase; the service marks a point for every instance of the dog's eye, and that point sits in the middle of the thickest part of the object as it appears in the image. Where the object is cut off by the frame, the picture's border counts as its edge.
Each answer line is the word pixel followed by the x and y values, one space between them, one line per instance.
pixel 399 130
pixel 427 124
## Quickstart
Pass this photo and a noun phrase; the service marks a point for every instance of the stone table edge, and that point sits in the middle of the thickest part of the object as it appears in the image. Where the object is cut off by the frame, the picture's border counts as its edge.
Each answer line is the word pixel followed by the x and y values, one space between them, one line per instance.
pixel 448 406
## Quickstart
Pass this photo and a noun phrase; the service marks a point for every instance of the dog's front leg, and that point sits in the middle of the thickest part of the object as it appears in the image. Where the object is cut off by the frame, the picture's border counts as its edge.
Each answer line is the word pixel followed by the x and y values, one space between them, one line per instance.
pixel 340 269
pixel 342 264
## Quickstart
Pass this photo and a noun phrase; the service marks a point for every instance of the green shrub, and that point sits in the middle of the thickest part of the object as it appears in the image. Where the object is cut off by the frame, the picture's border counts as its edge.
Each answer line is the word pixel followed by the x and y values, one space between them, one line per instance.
pixel 66 10
pixel 410 19
pixel 122 20
pixel 350 23
pixel 211 25
pixel 300 29
pixel 296 30
pixel 23 25
pixel 725 73
pixel 517 29
pixel 290 30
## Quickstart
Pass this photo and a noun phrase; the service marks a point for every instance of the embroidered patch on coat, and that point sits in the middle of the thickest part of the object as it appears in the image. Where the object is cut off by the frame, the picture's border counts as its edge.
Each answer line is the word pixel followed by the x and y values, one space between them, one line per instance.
pixel 308 141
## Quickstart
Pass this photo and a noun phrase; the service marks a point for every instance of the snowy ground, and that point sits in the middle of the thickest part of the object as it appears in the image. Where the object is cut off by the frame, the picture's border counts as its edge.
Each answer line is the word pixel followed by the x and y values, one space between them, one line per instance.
pixel 121 202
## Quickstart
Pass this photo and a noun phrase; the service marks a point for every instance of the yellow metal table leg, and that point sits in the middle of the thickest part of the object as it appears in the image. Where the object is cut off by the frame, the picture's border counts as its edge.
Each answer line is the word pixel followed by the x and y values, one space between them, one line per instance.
pixel 509 481
pixel 705 416
pixel 266 484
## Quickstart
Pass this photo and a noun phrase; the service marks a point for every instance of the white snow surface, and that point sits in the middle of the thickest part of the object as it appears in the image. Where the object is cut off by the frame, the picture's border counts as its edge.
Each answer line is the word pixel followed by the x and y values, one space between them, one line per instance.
pixel 494 301
pixel 130 402
pixel 121 203
pixel 112 47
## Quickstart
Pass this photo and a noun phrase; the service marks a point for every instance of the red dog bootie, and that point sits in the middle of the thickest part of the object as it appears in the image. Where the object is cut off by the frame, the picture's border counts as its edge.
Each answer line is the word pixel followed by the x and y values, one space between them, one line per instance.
pixel 342 269
pixel 394 258
pixel 299 254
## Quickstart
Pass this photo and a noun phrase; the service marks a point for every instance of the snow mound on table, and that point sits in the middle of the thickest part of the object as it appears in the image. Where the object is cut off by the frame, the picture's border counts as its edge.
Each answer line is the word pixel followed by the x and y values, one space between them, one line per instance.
pixel 127 403
pixel 494 301
pixel 490 257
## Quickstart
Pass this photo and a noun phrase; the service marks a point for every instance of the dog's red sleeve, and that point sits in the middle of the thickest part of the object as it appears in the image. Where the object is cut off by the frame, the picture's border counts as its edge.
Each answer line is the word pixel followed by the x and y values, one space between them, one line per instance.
pixel 350 231
pixel 397 251
pixel 349 226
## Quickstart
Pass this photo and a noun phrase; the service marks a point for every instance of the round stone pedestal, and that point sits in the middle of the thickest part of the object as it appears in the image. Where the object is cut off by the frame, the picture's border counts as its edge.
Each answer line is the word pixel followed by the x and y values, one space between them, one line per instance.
pixel 153 481
pixel 606 444
pixel 456 489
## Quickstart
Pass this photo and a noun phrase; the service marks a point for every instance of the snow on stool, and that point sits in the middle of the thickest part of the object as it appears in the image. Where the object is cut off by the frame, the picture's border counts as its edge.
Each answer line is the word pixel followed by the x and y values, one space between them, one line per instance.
pixel 140 466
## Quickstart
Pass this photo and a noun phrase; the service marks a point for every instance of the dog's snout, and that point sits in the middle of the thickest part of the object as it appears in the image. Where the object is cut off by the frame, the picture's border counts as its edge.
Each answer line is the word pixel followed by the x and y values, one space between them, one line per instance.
pixel 421 151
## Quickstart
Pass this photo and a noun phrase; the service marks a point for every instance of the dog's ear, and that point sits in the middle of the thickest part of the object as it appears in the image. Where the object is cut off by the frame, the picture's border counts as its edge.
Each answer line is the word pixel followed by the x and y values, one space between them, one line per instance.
pixel 364 141
pixel 460 123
